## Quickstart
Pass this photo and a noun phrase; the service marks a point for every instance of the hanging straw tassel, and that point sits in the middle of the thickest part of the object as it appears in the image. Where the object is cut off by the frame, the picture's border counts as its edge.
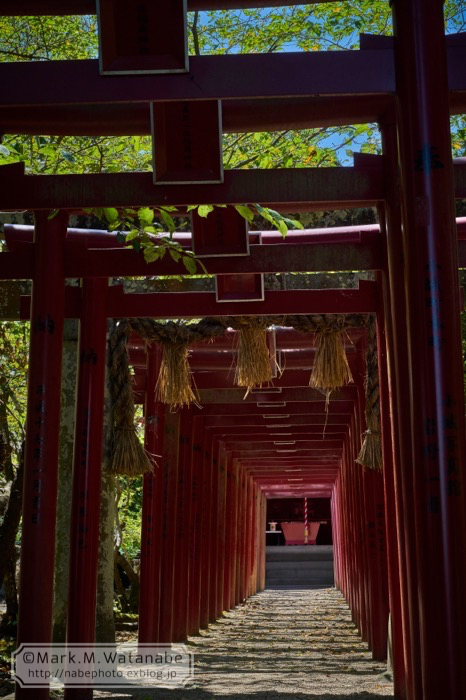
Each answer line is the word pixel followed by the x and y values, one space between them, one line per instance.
pixel 331 369
pixel 370 454
pixel 174 383
pixel 127 454
pixel 253 362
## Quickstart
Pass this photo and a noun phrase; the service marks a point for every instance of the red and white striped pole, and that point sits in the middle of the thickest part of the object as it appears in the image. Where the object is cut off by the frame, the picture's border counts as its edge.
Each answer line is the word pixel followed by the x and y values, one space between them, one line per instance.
pixel 306 531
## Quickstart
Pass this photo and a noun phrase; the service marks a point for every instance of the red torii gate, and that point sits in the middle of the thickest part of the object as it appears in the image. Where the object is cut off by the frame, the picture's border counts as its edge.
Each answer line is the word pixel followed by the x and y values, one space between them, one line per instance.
pixel 404 87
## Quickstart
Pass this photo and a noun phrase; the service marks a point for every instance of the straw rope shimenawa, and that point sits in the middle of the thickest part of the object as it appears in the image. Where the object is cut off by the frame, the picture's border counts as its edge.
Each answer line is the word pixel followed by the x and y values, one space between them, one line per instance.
pixel 254 366
pixel 370 454
pixel 127 455
pixel 331 369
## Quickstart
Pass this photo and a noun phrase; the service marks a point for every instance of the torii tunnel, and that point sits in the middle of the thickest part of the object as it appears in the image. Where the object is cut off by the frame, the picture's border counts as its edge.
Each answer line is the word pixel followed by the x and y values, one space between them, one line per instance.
pixel 399 533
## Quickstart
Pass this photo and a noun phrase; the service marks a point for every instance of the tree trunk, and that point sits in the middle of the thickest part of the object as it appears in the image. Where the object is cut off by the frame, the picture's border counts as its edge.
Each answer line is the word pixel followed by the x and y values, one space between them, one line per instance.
pixel 65 480
pixel 10 524
pixel 131 597
pixel 105 623
pixel 6 465
pixel 10 617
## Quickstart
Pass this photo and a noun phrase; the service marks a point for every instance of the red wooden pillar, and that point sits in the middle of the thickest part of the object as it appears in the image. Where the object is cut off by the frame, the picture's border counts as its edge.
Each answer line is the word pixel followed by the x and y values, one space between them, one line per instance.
pixel 221 527
pixel 214 523
pixel 198 485
pixel 241 533
pixel 234 532
pixel 349 585
pixel 42 437
pixel 250 548
pixel 229 530
pixel 263 550
pixel 359 549
pixel 398 362
pixel 255 538
pixel 359 414
pixel 259 535
pixel 206 529
pixel 151 520
pixel 356 528
pixel 357 566
pixel 348 551
pixel 87 464
pixel 183 529
pixel 169 523
pixel 434 343
pixel 393 529
pixel 336 534
pixel 375 545
pixel 247 538
pixel 377 561
pixel 252 575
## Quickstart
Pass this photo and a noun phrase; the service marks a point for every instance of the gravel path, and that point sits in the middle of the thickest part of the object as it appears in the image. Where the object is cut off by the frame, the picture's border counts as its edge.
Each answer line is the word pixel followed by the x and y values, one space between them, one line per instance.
pixel 280 645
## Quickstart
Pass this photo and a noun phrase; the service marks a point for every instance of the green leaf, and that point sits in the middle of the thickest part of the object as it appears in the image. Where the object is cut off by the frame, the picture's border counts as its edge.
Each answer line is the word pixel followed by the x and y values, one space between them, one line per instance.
pixel 146 216
pixel 190 264
pixel 191 207
pixel 151 253
pixel 294 223
pixel 98 212
pixel 121 237
pixel 204 210
pixel 132 235
pixel 52 214
pixel 245 212
pixel 282 227
pixel 111 215
pixel 168 221
pixel 265 213
pixel 175 254
pixel 136 245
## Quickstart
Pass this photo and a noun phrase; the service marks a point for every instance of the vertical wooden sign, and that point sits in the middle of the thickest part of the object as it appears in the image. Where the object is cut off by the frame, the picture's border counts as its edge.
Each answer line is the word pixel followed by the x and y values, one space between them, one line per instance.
pixel 247 287
pixel 145 36
pixel 223 232
pixel 187 142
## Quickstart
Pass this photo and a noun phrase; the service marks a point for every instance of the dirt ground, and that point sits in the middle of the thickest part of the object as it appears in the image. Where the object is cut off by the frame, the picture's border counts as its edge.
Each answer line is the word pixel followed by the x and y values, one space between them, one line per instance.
pixel 280 645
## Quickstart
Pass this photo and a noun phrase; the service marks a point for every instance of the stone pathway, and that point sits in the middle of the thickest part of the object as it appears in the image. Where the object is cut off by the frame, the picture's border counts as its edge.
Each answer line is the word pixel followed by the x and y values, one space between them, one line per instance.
pixel 280 645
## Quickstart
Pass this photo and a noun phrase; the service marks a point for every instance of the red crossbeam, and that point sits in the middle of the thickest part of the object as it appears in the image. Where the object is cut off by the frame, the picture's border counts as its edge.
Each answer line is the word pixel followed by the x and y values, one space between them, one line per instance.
pixel 321 187
pixel 249 76
pixel 20 8
pixel 323 73
pixel 315 188
pixel 245 115
pixel 203 304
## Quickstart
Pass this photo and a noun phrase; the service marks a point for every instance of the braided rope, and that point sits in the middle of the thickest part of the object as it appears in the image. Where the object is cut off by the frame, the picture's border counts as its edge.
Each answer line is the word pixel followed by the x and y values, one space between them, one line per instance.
pixel 128 455
pixel 185 334
pixel 370 454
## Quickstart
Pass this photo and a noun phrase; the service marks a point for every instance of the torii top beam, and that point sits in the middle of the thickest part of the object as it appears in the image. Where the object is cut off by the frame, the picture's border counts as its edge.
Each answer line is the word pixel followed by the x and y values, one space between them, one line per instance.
pixel 17 8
